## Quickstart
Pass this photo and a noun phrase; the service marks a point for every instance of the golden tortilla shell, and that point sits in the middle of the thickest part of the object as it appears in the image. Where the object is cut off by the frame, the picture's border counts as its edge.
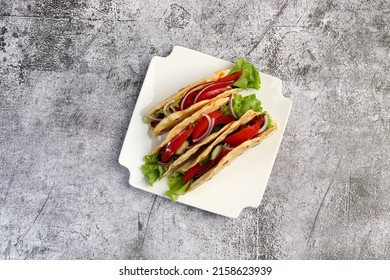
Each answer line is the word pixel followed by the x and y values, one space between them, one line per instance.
pixel 209 108
pixel 232 154
pixel 174 118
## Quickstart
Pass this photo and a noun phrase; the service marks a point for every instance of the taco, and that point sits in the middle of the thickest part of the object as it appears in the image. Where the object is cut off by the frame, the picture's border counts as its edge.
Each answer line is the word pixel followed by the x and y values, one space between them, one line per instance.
pixel 243 134
pixel 189 137
pixel 188 100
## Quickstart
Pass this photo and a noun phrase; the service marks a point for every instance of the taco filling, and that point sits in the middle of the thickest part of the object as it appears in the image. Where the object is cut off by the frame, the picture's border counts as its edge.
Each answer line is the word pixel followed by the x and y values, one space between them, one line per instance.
pixel 156 165
pixel 181 181
pixel 243 75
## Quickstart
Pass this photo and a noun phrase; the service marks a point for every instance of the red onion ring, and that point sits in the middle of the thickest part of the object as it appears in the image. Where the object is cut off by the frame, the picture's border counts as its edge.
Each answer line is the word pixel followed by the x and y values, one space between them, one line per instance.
pixel 198 87
pixel 210 128
pixel 211 122
pixel 173 109
pixel 165 108
pixel 264 127
pixel 154 119
pixel 231 107
pixel 190 146
pixel 164 163
pixel 227 147
pixel 206 87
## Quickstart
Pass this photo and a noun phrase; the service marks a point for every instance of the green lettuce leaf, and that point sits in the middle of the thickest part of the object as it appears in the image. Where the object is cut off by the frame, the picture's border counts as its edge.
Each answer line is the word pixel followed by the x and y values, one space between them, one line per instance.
pixel 175 103
pixel 152 170
pixel 250 77
pixel 242 104
pixel 271 123
pixel 225 110
pixel 176 187
pixel 146 120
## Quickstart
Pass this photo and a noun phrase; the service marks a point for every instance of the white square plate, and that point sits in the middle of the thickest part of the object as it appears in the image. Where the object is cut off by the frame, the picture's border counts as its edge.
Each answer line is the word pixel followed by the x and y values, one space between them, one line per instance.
pixel 243 182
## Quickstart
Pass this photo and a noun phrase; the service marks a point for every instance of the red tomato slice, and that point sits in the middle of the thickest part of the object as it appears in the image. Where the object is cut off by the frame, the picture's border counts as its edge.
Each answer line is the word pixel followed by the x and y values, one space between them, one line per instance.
pixel 242 135
pixel 190 99
pixel 215 88
pixel 190 173
pixel 202 126
pixel 211 89
pixel 232 77
pixel 223 120
pixel 215 114
pixel 175 144
pixel 211 94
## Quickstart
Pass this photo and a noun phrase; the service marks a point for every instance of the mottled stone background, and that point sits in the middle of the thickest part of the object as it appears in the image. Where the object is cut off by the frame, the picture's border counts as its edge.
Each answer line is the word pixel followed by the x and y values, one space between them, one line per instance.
pixel 70 75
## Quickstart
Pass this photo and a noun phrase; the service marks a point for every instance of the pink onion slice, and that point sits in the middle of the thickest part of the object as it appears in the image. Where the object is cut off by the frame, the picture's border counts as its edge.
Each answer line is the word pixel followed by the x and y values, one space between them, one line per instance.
pixel 173 109
pixel 154 119
pixel 208 86
pixel 166 107
pixel 231 106
pixel 264 127
pixel 164 163
pixel 198 87
pixel 227 147
pixel 210 129
pixel 211 122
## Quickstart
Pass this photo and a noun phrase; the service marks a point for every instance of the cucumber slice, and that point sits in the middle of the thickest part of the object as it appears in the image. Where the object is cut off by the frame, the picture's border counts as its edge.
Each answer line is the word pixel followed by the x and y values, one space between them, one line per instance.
pixel 182 148
pixel 216 151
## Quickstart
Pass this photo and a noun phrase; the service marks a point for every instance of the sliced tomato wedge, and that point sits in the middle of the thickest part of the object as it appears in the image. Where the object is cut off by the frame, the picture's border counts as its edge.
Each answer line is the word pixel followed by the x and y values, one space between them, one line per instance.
pixel 215 114
pixel 223 120
pixel 175 144
pixel 190 99
pixel 232 77
pixel 243 135
pixel 200 128
pixel 211 94
pixel 203 124
pixel 209 90
pixel 216 88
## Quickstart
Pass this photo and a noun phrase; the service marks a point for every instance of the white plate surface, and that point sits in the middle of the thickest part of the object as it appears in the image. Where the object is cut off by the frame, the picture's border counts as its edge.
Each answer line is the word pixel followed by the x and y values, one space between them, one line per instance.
pixel 243 182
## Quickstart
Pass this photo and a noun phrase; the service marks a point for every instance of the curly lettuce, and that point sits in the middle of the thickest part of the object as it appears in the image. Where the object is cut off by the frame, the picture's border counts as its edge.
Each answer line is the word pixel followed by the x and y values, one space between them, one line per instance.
pixel 271 123
pixel 242 104
pixel 250 77
pixel 176 187
pixel 152 170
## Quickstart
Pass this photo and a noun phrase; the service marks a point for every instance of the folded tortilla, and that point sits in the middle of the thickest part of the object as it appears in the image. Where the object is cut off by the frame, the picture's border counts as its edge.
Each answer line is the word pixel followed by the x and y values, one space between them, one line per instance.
pixel 173 119
pixel 247 117
pixel 212 106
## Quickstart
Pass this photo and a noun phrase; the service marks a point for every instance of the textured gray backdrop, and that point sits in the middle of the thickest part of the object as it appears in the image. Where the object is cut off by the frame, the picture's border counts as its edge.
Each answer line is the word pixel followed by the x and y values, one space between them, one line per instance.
pixel 70 75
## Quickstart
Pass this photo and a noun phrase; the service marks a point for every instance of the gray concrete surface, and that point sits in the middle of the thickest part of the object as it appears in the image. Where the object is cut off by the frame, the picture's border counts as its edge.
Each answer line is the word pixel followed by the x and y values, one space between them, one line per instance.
pixel 69 79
